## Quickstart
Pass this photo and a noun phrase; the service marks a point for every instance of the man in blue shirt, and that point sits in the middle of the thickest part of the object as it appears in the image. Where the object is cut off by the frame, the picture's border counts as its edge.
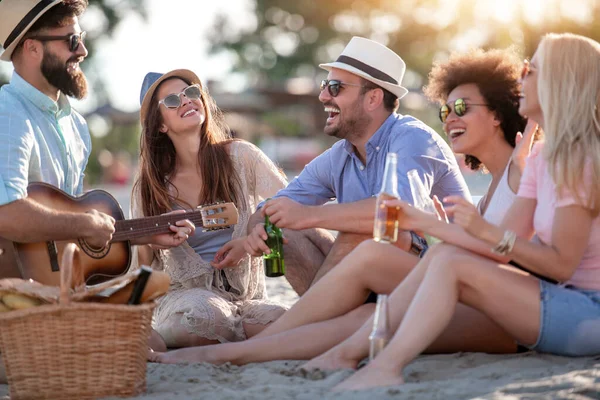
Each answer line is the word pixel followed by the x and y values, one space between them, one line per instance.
pixel 360 97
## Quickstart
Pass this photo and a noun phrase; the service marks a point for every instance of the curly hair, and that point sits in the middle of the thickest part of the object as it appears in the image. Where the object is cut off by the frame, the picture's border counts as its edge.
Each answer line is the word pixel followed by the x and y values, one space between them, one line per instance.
pixel 496 75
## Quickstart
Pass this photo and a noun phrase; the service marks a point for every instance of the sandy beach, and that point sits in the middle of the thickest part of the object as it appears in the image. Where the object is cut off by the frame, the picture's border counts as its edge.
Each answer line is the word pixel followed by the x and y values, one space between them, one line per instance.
pixel 453 376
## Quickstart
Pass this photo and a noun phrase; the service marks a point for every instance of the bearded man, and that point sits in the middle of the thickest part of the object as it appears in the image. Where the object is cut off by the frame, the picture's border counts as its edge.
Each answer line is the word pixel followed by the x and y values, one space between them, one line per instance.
pixel 41 137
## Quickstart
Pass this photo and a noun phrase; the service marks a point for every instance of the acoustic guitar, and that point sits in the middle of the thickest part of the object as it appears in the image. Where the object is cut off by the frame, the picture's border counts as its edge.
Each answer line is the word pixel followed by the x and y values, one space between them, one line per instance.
pixel 40 261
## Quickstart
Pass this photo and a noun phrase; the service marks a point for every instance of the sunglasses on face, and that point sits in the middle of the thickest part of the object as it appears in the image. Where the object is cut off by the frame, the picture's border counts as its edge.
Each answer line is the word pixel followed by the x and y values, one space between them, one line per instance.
pixel 460 108
pixel 174 100
pixel 74 39
pixel 334 86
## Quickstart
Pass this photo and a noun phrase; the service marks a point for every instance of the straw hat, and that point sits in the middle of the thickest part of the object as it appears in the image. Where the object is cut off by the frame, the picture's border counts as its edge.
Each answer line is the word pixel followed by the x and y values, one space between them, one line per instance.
pixel 16 17
pixel 372 61
pixel 153 79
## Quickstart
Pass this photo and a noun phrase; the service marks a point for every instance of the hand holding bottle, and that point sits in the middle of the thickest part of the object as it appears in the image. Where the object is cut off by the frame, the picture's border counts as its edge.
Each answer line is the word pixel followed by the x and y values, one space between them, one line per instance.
pixel 411 218
pixel 273 261
pixel 385 228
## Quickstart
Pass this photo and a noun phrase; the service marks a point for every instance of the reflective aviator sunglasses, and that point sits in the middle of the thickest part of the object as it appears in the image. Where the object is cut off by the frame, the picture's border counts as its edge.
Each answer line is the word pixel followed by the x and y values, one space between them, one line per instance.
pixel 74 39
pixel 334 86
pixel 173 100
pixel 460 108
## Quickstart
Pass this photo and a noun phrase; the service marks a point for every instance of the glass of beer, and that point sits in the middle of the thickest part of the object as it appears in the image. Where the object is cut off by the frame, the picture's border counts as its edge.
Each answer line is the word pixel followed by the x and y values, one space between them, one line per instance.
pixel 385 228
pixel 386 220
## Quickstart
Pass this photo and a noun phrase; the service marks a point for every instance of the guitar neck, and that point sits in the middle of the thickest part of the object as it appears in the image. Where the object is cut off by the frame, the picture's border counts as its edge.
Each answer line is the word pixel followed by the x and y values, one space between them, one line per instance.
pixel 148 226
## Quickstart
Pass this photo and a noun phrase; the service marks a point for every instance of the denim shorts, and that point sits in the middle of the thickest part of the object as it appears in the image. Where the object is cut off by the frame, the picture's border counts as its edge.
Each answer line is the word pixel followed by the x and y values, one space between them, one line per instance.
pixel 569 321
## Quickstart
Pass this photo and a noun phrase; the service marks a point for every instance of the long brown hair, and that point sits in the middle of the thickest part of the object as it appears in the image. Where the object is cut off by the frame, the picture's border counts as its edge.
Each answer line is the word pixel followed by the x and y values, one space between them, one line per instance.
pixel 220 181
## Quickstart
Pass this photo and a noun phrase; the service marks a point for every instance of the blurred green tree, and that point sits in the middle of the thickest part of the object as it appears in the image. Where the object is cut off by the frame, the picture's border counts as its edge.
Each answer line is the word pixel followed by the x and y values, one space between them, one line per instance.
pixel 289 39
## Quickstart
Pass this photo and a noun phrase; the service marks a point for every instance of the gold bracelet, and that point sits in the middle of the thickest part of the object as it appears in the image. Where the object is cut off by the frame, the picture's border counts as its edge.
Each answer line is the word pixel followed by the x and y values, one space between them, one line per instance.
pixel 505 245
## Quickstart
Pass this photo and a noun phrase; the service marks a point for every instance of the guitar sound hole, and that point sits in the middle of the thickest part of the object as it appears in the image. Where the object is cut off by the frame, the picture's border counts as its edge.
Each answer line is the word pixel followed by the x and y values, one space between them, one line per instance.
pixel 94 252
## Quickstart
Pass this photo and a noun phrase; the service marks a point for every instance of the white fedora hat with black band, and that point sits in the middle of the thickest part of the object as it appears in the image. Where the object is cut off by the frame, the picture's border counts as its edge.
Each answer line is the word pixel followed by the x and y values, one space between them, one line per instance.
pixel 374 62
pixel 16 17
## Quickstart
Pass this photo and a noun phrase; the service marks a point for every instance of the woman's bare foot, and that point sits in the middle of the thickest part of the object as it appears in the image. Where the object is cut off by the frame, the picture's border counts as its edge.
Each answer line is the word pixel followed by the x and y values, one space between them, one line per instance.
pixel 188 355
pixel 181 356
pixel 369 377
pixel 331 360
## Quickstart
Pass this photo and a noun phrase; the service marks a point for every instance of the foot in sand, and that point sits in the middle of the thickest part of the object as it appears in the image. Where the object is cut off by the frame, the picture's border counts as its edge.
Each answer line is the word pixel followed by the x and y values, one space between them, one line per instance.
pixel 369 377
pixel 184 355
pixel 329 361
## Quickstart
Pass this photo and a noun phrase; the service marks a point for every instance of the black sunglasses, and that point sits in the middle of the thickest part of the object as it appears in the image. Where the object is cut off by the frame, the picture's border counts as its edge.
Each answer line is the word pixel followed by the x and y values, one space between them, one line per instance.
pixel 334 86
pixel 460 108
pixel 74 39
pixel 174 100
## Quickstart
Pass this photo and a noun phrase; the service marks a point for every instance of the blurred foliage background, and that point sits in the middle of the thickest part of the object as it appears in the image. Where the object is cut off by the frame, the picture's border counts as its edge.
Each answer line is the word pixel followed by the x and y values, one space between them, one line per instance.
pixel 279 51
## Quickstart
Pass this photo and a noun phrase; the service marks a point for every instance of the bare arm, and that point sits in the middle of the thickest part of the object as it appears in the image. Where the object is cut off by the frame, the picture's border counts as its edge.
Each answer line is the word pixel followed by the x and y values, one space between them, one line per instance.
pixel 25 221
pixel 519 217
pixel 356 217
pixel 570 236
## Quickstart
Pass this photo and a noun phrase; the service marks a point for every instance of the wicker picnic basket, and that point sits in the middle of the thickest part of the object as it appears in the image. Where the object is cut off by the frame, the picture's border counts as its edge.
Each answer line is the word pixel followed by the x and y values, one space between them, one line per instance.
pixel 75 350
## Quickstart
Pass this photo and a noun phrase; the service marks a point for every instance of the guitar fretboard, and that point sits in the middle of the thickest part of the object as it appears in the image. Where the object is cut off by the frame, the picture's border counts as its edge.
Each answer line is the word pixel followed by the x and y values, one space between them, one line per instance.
pixel 140 227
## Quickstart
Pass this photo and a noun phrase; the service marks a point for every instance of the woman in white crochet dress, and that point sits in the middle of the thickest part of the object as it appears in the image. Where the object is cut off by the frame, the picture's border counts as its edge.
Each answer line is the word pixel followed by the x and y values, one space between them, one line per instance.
pixel 188 158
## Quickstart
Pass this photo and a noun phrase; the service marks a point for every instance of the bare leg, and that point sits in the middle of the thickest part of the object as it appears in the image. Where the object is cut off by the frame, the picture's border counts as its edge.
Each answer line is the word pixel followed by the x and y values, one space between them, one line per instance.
pixel 508 297
pixel 304 254
pixel 343 245
pixel 156 342
pixel 370 267
pixel 479 332
pixel 298 344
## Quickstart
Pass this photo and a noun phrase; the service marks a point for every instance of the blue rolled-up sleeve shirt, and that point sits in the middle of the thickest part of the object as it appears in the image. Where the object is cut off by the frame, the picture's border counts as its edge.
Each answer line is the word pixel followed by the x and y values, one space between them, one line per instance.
pixel 40 140
pixel 338 173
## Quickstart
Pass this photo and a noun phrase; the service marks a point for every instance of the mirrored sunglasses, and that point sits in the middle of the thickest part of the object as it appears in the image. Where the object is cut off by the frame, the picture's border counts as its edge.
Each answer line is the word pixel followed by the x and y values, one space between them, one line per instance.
pixel 174 100
pixel 460 108
pixel 334 86
pixel 74 39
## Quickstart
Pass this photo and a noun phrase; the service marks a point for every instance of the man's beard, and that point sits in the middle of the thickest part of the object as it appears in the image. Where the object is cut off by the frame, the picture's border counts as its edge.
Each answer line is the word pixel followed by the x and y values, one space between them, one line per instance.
pixel 72 84
pixel 352 127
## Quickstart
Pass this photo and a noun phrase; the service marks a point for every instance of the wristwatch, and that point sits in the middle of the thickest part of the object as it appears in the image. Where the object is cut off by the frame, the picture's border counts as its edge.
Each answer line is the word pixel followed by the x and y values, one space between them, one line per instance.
pixel 418 245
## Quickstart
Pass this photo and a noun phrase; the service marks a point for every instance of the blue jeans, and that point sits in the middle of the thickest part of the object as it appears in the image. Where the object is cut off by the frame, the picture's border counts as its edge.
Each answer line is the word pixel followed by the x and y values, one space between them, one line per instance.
pixel 569 321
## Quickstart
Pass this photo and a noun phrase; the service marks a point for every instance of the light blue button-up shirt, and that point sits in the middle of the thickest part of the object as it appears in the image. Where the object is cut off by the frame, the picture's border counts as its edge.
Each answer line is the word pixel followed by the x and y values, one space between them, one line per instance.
pixel 339 174
pixel 40 140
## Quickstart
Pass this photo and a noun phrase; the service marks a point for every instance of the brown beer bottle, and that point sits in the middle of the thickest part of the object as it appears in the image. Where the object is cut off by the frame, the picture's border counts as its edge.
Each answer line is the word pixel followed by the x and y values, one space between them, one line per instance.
pixel 385 228
pixel 274 265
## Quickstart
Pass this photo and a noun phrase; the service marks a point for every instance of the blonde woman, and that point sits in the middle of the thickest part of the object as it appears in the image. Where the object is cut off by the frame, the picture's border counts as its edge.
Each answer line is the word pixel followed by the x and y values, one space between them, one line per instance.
pixel 558 199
